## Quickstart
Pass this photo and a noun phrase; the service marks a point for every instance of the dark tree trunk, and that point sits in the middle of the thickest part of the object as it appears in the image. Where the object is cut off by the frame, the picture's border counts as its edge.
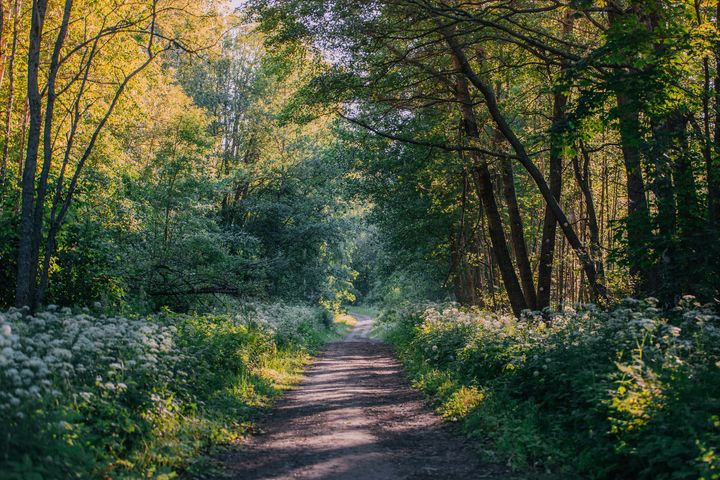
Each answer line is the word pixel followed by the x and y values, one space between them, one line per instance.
pixel 3 41
pixel 638 213
pixel 463 65
pixel 549 231
pixel 690 218
pixel 11 97
pixel 517 234
pixel 42 184
pixel 26 272
pixel 583 179
pixel 713 165
pixel 484 189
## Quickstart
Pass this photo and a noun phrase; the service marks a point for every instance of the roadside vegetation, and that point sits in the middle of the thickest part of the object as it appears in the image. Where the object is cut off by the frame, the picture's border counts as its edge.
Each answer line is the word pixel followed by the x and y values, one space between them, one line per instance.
pixel 85 395
pixel 191 189
pixel 627 392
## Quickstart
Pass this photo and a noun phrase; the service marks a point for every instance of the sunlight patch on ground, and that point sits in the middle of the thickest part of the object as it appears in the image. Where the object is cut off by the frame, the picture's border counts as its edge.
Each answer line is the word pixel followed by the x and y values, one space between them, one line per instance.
pixel 345 322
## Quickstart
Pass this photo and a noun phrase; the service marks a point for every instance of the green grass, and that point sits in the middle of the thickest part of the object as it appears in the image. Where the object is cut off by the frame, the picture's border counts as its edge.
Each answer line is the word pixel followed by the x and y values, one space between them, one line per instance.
pixel 630 392
pixel 211 377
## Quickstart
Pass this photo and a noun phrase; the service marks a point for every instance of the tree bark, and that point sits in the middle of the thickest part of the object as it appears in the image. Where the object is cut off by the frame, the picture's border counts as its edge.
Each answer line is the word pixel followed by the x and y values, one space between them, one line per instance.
pixel 597 289
pixel 638 212
pixel 484 189
pixel 60 210
pixel 549 231
pixel 3 41
pixel 25 287
pixel 713 166
pixel 42 184
pixel 11 97
pixel 517 234
pixel 583 179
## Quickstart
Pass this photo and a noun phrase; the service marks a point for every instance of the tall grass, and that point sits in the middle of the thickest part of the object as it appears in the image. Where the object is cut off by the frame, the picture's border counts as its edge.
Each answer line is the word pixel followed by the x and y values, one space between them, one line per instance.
pixel 95 396
pixel 630 392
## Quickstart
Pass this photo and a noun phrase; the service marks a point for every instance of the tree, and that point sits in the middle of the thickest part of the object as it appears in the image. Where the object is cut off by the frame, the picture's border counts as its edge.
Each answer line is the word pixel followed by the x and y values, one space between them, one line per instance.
pixel 77 64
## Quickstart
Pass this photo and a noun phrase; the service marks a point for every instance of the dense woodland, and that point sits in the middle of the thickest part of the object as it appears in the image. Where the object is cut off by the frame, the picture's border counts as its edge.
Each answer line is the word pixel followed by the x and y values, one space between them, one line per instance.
pixel 502 154
pixel 545 152
pixel 146 162
pixel 176 158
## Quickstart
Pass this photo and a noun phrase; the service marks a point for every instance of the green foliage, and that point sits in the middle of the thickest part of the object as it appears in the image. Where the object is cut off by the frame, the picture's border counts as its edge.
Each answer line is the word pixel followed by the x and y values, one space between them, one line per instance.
pixel 87 396
pixel 630 392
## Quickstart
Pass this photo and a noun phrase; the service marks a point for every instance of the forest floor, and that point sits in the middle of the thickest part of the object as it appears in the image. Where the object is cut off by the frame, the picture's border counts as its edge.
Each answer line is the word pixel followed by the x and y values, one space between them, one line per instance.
pixel 355 416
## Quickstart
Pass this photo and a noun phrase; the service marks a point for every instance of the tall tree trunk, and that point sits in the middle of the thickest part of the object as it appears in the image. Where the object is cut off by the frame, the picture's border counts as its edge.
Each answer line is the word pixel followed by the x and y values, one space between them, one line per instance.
pixel 517 234
pixel 60 209
pixel 465 281
pixel 549 231
pixel 598 289
pixel 3 41
pixel 690 223
pixel 709 154
pixel 25 287
pixel 633 144
pixel 712 169
pixel 42 186
pixel 583 179
pixel 484 189
pixel 638 212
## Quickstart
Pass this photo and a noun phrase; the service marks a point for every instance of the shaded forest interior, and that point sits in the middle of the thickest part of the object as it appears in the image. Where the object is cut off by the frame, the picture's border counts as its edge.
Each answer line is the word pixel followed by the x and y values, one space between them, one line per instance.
pixel 500 153
pixel 192 192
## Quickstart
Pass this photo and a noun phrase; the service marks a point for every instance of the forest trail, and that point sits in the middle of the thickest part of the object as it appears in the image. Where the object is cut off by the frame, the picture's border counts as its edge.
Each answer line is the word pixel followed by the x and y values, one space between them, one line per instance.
pixel 356 417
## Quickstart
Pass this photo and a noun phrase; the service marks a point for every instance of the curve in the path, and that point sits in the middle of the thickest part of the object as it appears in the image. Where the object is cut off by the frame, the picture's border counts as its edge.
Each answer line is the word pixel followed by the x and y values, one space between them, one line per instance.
pixel 362 329
pixel 356 418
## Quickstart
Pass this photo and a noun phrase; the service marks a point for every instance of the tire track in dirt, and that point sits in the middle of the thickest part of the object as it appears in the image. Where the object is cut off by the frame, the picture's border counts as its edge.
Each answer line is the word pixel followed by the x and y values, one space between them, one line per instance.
pixel 355 417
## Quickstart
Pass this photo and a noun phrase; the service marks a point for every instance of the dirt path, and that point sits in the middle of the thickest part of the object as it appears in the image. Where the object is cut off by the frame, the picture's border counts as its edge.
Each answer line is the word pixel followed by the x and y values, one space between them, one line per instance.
pixel 355 417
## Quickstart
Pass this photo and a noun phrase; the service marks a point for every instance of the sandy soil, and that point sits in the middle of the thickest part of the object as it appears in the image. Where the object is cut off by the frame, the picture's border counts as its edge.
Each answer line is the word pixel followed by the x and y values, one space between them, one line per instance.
pixel 356 417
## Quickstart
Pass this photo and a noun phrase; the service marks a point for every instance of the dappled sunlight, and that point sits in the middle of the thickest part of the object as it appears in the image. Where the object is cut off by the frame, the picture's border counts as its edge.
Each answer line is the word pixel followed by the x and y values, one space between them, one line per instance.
pixel 222 216
pixel 354 417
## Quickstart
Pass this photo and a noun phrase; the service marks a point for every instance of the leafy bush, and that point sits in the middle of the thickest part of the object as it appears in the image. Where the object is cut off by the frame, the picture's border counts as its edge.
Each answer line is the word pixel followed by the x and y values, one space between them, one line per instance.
pixel 86 396
pixel 629 392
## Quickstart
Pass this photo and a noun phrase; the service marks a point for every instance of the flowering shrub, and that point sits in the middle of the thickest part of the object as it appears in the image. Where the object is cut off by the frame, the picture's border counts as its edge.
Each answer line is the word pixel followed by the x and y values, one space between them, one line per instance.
pixel 97 396
pixel 629 392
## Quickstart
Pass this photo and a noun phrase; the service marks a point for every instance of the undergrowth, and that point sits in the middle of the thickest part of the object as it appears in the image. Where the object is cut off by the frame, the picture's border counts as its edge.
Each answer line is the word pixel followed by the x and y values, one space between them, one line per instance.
pixel 632 392
pixel 92 396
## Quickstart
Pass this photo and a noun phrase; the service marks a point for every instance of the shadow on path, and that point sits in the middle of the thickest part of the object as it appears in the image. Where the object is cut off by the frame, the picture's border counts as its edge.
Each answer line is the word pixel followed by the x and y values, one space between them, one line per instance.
pixel 356 417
